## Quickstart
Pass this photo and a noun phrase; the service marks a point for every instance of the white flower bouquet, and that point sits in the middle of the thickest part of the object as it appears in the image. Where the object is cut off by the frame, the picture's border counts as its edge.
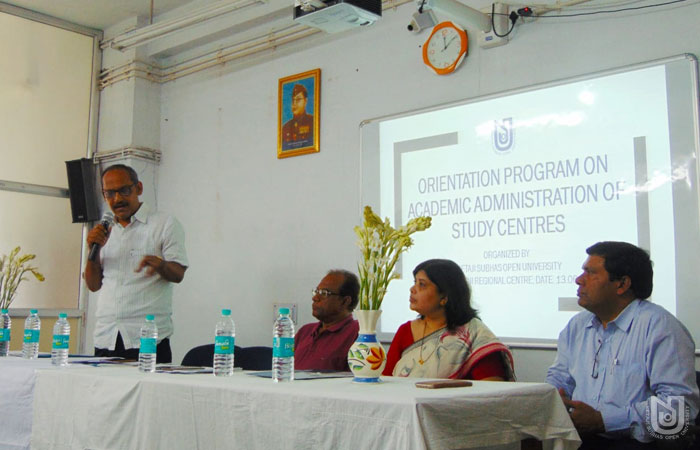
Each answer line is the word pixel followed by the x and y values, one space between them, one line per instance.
pixel 13 267
pixel 381 246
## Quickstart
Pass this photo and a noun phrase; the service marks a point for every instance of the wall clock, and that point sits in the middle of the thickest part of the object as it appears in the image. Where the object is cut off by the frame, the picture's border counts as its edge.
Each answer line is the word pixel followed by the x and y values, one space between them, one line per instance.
pixel 445 48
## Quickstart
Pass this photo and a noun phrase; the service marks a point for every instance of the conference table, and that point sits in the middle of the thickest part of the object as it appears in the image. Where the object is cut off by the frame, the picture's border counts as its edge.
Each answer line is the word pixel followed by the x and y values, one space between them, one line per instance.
pixel 17 380
pixel 118 407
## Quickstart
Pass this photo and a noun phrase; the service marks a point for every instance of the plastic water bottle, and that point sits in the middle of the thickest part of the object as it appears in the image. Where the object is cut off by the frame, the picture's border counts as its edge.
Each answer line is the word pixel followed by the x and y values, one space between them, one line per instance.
pixel 149 343
pixel 283 348
pixel 61 339
pixel 223 345
pixel 5 325
pixel 32 329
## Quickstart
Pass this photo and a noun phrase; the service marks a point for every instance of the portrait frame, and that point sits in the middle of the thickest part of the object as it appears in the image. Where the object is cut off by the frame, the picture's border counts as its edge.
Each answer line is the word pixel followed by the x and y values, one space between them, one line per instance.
pixel 299 134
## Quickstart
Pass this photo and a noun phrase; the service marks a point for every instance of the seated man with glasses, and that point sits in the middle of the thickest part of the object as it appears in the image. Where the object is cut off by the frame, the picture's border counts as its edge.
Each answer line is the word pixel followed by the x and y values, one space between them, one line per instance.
pixel 141 255
pixel 625 366
pixel 324 345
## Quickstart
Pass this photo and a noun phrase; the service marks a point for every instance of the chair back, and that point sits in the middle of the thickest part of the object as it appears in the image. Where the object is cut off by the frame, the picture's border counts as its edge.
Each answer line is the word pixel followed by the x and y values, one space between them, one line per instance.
pixel 247 358
pixel 253 358
pixel 202 355
pixel 697 418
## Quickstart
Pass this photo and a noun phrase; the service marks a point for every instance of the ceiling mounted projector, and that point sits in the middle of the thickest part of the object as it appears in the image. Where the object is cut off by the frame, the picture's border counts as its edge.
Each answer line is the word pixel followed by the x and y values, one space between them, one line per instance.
pixel 334 16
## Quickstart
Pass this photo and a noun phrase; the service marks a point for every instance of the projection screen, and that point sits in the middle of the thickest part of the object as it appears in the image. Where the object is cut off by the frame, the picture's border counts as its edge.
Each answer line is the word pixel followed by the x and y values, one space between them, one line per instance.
pixel 519 184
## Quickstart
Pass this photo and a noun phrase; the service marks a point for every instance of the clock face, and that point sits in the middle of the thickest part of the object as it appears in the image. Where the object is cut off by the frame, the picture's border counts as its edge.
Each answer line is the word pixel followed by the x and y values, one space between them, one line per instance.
pixel 445 48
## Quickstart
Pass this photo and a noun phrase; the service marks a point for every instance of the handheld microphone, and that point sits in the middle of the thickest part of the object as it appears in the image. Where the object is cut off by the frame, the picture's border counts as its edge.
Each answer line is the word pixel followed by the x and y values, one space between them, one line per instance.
pixel 107 220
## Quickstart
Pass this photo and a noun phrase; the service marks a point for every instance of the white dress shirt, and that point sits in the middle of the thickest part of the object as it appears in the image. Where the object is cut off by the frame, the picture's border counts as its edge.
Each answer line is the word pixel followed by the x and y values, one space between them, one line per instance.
pixel 645 352
pixel 126 297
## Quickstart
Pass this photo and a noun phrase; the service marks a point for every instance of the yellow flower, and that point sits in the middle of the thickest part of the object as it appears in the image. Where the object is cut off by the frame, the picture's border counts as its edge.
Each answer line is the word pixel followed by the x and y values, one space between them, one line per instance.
pixel 371 219
pixel 12 270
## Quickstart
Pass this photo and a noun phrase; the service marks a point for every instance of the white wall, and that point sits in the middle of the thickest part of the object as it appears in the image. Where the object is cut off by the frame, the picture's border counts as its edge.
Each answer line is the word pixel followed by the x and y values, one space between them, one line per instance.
pixel 43 68
pixel 262 230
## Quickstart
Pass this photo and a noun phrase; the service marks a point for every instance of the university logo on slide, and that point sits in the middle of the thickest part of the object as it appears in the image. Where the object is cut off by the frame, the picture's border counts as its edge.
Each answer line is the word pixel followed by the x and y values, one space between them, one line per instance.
pixel 667 419
pixel 503 135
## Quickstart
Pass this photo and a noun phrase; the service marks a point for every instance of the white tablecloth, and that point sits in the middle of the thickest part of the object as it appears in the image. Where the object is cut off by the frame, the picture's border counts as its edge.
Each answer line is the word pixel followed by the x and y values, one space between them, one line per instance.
pixel 121 408
pixel 17 377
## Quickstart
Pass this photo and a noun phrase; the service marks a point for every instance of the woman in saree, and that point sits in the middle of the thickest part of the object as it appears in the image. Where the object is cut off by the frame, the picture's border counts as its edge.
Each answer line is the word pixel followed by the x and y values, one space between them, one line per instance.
pixel 447 340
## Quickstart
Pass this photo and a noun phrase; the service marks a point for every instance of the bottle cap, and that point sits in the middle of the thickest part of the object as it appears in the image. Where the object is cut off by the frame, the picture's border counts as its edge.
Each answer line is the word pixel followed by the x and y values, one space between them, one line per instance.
pixel 62 315
pixel 150 317
pixel 284 310
pixel 3 311
pixel 225 312
pixel 33 311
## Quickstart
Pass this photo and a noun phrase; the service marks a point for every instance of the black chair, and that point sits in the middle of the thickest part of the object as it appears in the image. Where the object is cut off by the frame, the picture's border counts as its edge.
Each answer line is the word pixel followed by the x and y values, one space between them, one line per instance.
pixel 697 419
pixel 247 358
pixel 694 429
pixel 253 358
pixel 200 356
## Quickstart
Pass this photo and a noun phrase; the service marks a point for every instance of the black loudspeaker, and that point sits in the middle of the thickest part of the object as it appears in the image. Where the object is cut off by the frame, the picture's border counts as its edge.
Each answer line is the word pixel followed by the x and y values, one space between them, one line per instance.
pixel 81 184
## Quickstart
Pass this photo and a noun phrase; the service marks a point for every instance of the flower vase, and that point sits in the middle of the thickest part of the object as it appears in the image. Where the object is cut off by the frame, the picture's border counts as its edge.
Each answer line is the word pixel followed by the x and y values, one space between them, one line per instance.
pixel 366 356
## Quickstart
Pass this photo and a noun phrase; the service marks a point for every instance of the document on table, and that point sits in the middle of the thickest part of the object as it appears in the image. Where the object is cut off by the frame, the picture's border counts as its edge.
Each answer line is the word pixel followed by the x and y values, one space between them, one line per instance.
pixel 99 361
pixel 306 374
pixel 185 369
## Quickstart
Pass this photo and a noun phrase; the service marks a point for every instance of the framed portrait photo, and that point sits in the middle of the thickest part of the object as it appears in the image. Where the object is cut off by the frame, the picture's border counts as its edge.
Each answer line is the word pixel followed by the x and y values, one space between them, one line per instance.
pixel 298 121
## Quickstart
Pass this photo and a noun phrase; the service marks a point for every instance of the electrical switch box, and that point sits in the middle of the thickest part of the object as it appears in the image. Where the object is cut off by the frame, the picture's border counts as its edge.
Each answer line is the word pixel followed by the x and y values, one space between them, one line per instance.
pixel 501 24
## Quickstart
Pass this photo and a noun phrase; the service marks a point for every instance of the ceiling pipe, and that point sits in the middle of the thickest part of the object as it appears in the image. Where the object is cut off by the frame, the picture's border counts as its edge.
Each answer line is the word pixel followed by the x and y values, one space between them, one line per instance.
pixel 263 42
pixel 158 30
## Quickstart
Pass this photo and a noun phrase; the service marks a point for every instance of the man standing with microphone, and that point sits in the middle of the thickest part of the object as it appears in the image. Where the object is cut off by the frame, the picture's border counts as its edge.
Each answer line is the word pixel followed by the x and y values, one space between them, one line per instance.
pixel 139 258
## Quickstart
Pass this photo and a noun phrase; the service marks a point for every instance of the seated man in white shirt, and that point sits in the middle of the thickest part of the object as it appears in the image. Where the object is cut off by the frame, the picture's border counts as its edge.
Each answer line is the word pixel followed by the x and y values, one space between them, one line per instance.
pixel 141 255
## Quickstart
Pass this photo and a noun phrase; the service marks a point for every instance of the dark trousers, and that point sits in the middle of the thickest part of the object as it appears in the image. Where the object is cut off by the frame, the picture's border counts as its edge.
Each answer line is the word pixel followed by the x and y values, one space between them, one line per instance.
pixel 593 442
pixel 163 353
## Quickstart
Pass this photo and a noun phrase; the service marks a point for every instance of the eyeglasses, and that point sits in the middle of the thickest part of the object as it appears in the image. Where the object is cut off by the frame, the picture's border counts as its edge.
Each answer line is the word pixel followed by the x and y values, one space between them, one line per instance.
pixel 323 292
pixel 123 191
pixel 594 372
